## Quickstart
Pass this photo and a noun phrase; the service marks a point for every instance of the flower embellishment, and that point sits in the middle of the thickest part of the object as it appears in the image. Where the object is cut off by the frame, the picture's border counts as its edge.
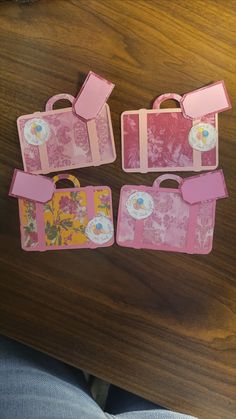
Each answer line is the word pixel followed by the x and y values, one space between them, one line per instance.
pixel 140 205
pixel 99 229
pixel 36 131
pixel 202 137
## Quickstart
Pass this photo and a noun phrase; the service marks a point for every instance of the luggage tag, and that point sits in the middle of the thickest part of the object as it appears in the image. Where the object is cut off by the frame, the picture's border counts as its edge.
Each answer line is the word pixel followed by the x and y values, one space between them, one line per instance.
pixel 92 96
pixel 207 100
pixel 206 187
pixel 34 187
pixel 89 102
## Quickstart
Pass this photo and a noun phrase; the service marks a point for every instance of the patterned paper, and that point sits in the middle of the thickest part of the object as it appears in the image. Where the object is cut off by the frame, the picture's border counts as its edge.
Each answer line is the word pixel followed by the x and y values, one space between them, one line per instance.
pixel 173 224
pixel 69 219
pixel 168 146
pixel 167 140
pixel 66 140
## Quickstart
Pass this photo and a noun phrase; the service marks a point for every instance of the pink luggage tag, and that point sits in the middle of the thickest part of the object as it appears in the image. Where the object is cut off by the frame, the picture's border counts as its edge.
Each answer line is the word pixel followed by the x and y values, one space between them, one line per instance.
pixel 174 139
pixel 33 187
pixel 177 219
pixel 67 138
pixel 206 187
pixel 92 96
pixel 205 101
pixel 62 218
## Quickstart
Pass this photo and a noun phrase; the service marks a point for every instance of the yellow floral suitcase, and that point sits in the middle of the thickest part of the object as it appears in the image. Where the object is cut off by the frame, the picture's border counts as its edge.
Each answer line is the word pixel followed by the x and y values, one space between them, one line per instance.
pixel 78 217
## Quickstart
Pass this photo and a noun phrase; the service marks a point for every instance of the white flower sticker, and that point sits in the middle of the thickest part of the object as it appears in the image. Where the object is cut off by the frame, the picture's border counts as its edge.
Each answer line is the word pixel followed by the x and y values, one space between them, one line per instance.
pixel 140 205
pixel 202 137
pixel 99 230
pixel 36 131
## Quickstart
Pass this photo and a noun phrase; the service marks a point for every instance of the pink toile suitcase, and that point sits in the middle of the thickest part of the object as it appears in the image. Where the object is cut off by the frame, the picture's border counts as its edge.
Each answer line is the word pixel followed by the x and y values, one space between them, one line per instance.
pixel 178 139
pixel 178 220
pixel 73 137
pixel 68 218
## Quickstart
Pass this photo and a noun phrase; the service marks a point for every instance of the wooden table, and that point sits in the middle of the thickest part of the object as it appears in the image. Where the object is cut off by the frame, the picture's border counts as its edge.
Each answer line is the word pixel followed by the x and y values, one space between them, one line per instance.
pixel 159 324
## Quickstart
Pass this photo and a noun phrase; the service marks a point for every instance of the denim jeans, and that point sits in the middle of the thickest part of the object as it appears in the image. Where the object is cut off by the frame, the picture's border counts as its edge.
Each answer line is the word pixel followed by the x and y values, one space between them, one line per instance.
pixel 36 386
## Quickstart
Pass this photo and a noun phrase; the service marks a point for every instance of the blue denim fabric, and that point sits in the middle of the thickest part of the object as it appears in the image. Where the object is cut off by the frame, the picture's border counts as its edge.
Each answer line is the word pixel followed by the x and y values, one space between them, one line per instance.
pixel 36 386
pixel 120 401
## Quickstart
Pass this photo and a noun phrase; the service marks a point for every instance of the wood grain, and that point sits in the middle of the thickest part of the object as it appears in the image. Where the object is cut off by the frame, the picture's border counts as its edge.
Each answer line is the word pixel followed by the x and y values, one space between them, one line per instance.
pixel 159 324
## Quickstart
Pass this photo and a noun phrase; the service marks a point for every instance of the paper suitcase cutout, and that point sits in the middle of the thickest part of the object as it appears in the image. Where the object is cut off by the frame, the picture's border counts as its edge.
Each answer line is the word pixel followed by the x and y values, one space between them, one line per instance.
pixel 69 218
pixel 178 220
pixel 177 139
pixel 73 137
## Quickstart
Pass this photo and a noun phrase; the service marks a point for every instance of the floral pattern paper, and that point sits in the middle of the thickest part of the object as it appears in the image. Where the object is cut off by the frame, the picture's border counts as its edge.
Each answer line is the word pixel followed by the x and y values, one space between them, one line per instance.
pixel 65 218
pixel 168 140
pixel 29 230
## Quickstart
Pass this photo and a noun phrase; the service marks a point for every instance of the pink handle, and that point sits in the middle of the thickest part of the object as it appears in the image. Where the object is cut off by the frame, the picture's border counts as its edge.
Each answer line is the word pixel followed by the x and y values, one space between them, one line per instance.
pixel 55 98
pixel 156 183
pixel 166 96
pixel 72 178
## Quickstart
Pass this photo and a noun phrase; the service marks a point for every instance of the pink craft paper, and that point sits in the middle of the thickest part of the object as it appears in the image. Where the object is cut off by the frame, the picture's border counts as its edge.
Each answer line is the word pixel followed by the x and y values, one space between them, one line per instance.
pixel 72 142
pixel 174 224
pixel 92 96
pixel 28 186
pixel 157 140
pixel 205 101
pixel 205 187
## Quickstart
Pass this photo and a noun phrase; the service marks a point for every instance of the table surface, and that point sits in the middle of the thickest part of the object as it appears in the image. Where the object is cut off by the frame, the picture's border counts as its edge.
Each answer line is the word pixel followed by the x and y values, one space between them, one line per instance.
pixel 159 324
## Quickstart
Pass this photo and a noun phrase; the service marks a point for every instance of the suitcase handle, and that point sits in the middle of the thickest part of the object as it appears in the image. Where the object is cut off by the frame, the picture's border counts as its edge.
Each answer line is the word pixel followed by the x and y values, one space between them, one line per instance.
pixel 55 98
pixel 157 181
pixel 72 178
pixel 167 96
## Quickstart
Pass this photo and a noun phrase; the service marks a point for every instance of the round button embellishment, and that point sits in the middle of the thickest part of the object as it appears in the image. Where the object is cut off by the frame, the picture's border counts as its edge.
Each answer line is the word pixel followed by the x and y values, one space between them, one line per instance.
pixel 202 137
pixel 36 131
pixel 140 205
pixel 99 230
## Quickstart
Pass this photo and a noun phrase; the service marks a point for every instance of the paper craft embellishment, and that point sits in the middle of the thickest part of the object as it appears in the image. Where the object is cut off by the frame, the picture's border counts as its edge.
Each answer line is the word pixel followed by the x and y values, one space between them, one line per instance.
pixel 70 138
pixel 178 220
pixel 177 139
pixel 70 218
